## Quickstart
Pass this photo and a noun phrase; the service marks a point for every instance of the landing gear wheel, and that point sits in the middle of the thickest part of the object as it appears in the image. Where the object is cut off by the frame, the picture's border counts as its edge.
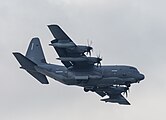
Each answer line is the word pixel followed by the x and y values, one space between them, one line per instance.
pixel 128 84
pixel 86 90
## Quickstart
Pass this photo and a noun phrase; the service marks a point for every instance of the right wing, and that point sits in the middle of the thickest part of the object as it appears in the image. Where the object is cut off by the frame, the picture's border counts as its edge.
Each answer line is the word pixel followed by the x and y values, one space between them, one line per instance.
pixel 59 34
pixel 61 37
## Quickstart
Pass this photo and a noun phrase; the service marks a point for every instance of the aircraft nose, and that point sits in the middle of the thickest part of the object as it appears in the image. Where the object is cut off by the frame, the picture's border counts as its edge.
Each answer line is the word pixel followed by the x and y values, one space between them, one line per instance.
pixel 141 77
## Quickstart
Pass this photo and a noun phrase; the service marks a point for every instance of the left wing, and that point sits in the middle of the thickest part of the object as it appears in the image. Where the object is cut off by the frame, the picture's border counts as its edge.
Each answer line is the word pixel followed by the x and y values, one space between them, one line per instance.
pixel 117 99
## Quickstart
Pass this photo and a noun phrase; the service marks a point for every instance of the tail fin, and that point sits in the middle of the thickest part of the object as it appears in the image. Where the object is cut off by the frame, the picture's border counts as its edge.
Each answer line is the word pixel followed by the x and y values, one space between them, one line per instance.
pixel 29 66
pixel 35 52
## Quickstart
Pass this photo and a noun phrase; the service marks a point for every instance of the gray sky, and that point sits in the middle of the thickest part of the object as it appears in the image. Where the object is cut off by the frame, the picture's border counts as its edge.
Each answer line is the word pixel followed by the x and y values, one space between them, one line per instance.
pixel 128 32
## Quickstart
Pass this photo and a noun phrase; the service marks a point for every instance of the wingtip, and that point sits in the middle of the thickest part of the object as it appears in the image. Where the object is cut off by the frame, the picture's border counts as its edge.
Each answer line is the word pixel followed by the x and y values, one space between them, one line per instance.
pixel 45 83
pixel 125 103
pixel 50 26
pixel 15 53
pixel 35 38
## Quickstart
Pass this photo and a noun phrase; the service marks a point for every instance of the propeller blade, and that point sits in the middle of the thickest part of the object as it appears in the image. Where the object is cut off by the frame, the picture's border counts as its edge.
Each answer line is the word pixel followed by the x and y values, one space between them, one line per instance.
pixel 127 89
pixel 89 48
pixel 90 53
pixel 89 42
pixel 99 62
pixel 86 53
pixel 126 94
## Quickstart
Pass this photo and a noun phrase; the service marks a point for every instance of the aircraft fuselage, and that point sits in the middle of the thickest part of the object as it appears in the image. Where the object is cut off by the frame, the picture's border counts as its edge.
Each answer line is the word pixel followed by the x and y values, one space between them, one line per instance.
pixel 95 76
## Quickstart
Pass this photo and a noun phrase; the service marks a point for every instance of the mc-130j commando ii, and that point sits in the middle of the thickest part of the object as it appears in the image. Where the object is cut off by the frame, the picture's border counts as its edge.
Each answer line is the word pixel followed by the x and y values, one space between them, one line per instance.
pixel 79 68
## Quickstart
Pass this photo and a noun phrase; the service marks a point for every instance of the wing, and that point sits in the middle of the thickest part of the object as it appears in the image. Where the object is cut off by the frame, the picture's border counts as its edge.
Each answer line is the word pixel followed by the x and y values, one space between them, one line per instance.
pixel 114 94
pixel 61 37
pixel 62 43
pixel 62 53
pixel 59 34
pixel 117 99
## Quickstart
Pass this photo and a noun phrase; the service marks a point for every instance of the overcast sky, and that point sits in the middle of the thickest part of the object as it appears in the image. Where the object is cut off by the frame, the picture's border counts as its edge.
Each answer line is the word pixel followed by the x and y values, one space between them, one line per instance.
pixel 128 32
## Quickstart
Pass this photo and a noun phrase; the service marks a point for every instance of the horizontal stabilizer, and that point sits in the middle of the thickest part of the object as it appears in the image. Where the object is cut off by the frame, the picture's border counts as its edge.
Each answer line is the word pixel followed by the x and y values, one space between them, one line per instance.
pixel 29 66
pixel 24 61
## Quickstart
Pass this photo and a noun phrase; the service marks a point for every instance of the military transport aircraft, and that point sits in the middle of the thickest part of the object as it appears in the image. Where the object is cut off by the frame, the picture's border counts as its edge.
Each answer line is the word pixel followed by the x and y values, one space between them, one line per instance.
pixel 79 68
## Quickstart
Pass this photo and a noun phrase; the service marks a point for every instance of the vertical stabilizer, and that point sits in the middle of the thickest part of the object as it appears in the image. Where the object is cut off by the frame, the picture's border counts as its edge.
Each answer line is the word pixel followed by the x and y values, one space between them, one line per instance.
pixel 35 52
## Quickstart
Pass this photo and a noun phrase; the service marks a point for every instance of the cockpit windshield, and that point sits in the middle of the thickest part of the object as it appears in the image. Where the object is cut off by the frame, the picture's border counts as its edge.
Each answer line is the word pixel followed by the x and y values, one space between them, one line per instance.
pixel 134 69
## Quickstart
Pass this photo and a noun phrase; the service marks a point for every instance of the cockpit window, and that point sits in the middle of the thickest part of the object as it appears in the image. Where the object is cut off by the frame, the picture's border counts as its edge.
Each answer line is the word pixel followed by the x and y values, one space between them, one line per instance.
pixel 133 69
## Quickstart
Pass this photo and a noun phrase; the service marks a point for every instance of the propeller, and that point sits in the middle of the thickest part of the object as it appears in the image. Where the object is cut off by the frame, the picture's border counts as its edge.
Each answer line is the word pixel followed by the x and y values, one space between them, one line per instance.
pixel 99 59
pixel 89 48
pixel 126 89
